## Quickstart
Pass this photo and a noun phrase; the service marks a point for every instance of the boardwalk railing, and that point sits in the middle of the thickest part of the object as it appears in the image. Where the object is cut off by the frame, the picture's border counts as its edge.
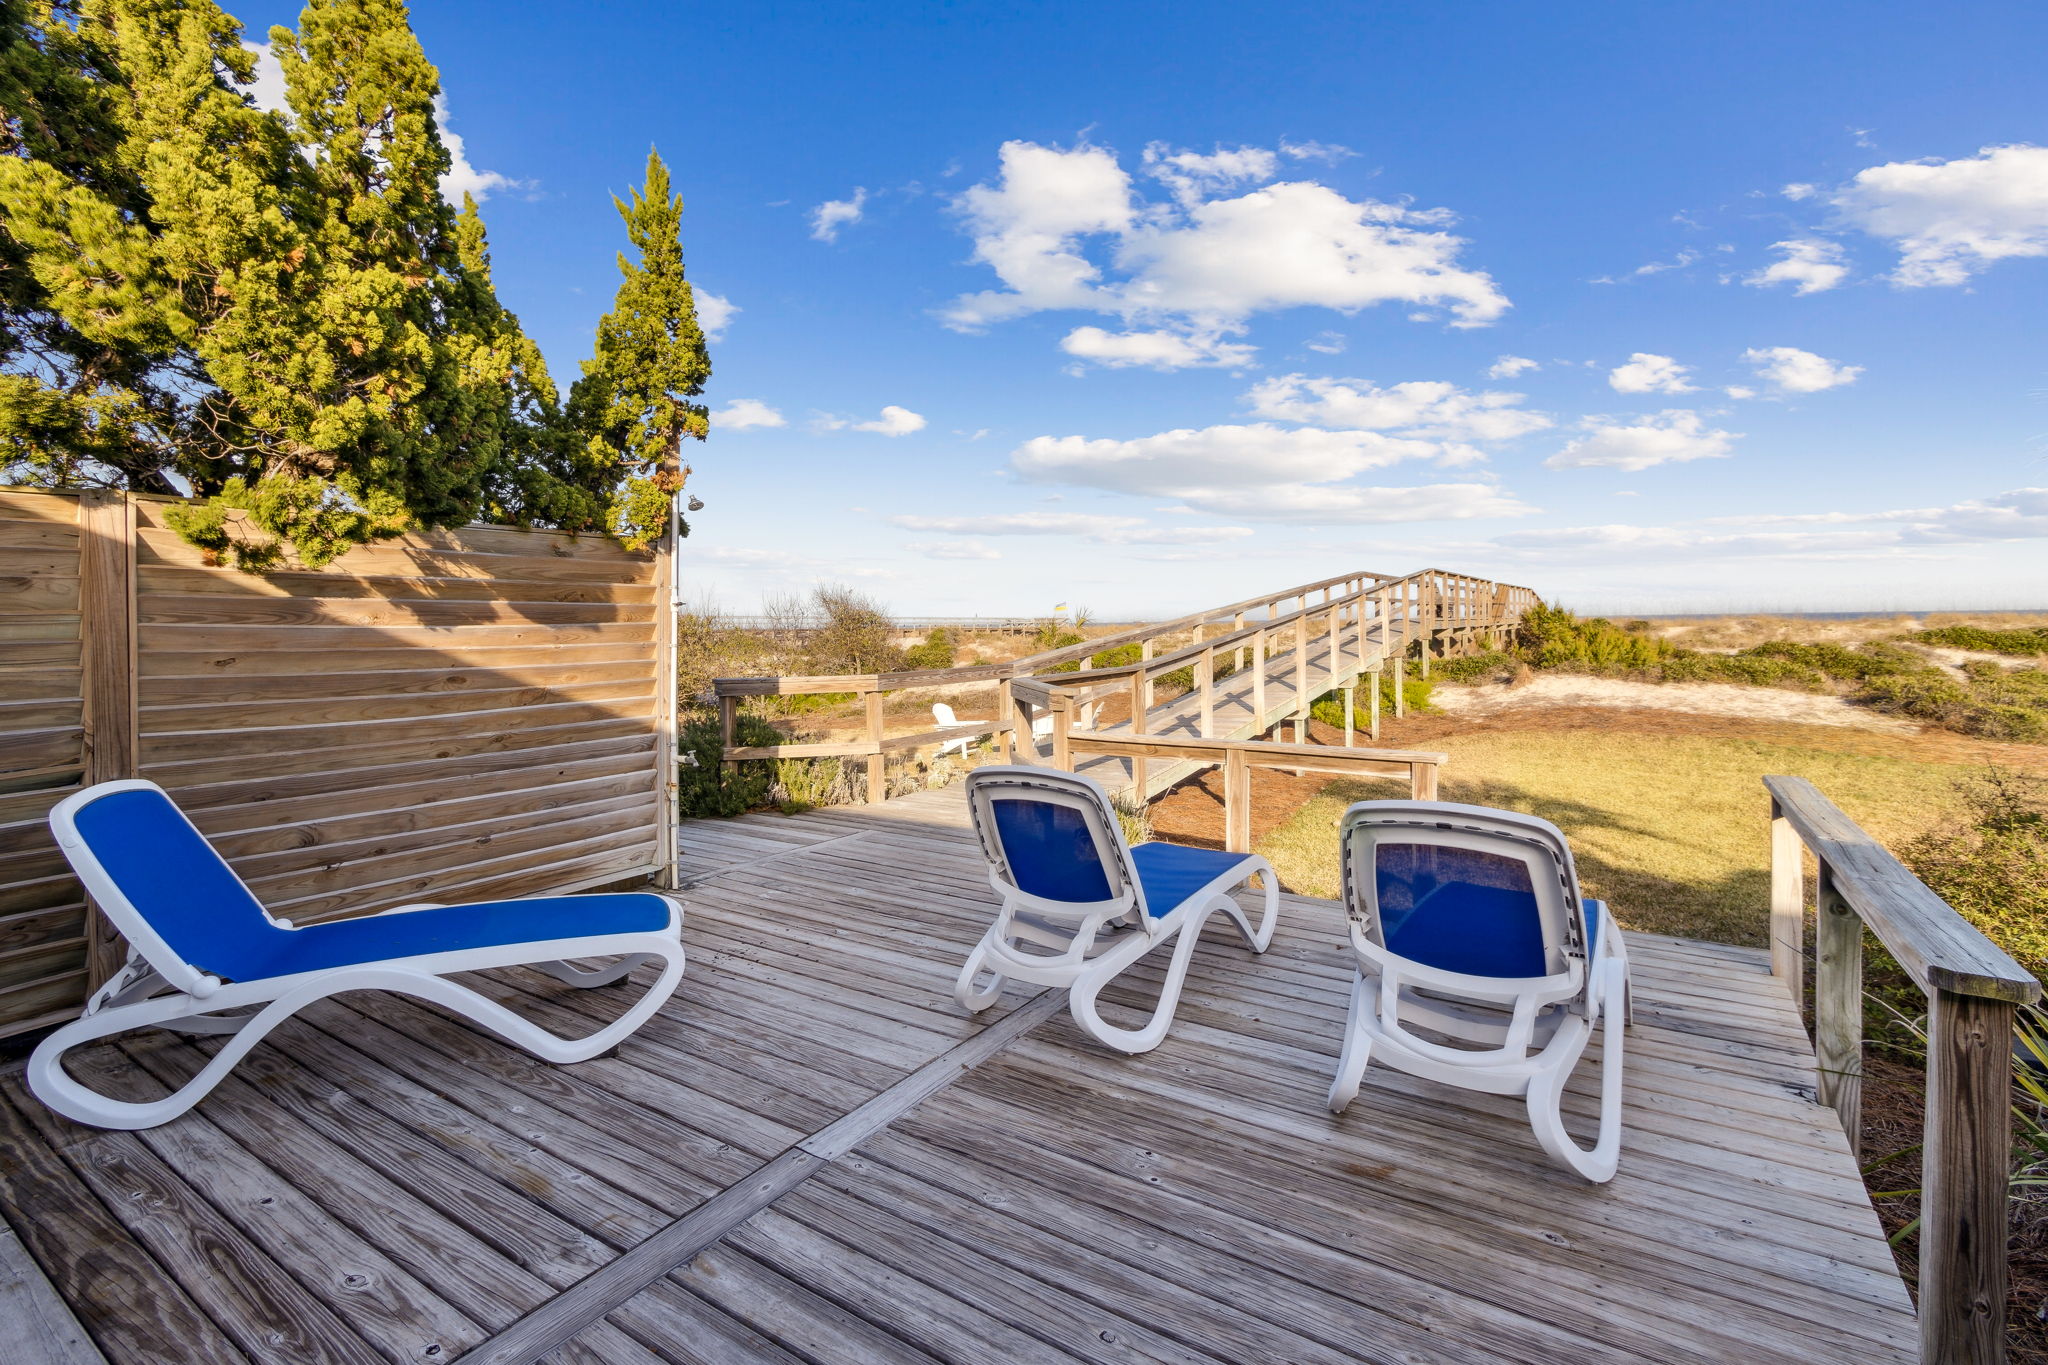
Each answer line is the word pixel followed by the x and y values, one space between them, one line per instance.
pixel 1373 618
pixel 1238 757
pixel 1973 990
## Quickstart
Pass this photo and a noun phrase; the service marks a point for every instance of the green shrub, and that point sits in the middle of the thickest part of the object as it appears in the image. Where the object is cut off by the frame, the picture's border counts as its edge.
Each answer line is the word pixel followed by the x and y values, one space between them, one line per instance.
pixel 801 784
pixel 710 786
pixel 1990 701
pixel 1551 637
pixel 1116 656
pixel 1994 868
pixel 1473 668
pixel 2020 643
pixel 935 652
pixel 1329 708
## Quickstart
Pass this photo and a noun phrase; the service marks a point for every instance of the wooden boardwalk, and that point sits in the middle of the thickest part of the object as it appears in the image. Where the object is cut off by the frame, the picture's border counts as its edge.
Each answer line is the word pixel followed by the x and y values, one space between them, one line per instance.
pixel 1325 664
pixel 812 1155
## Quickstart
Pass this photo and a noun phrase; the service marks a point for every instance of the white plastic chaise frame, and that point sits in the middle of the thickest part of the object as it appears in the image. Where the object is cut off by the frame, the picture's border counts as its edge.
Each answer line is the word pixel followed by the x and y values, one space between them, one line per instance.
pixel 1524 1034
pixel 200 1001
pixel 1106 921
pixel 946 719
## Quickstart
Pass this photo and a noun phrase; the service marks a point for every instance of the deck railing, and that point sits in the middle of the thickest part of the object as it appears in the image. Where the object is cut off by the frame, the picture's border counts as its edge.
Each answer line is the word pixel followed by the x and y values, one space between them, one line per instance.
pixel 1973 990
pixel 1446 611
pixel 1238 757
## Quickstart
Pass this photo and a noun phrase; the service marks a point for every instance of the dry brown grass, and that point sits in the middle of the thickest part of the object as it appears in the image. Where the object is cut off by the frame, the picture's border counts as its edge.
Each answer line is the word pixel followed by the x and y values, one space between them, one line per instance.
pixel 1672 829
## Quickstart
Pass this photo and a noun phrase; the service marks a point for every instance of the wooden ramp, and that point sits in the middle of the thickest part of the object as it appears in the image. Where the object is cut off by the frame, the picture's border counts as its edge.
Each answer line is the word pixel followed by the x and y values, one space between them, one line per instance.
pixel 812 1155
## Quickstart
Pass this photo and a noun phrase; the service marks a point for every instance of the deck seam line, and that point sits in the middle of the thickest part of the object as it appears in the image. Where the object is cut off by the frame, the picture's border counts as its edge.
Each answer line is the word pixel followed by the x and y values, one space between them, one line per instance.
pixel 700 878
pixel 549 1326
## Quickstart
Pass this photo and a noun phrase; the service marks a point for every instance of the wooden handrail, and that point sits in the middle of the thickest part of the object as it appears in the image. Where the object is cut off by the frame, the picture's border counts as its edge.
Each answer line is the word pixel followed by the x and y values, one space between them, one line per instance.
pixel 1429 604
pixel 1237 757
pixel 1974 991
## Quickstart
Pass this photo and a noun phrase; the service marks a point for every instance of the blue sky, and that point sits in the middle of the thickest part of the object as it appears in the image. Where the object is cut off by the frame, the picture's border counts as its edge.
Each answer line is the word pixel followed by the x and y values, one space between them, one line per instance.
pixel 1145 306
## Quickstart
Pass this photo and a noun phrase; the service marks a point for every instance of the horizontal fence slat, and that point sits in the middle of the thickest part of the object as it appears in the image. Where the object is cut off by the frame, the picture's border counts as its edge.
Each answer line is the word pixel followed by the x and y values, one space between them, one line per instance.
pixel 452 714
pixel 301 711
pixel 424 638
pixel 165 579
pixel 210 609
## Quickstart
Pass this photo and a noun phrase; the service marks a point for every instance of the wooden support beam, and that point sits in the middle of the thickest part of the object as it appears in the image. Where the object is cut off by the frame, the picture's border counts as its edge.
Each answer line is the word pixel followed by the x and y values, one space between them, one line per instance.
pixel 106 626
pixel 1838 1007
pixel 1966 1163
pixel 1237 802
pixel 1788 907
pixel 1006 708
pixel 1205 681
pixel 878 782
pixel 1350 699
pixel 1139 689
pixel 1376 706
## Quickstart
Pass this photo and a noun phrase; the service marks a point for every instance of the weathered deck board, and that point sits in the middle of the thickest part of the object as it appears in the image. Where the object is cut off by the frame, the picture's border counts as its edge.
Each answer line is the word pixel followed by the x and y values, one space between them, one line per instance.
pixel 383 1183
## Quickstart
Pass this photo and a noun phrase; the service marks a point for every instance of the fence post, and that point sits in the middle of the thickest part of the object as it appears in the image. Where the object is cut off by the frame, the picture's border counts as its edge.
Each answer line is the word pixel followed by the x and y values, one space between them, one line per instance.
pixel 665 755
pixel 1350 700
pixel 1237 802
pixel 1788 908
pixel 1422 781
pixel 1006 711
pixel 106 626
pixel 1140 686
pixel 1301 697
pixel 878 784
pixel 1259 682
pixel 1965 1164
pixel 1062 712
pixel 1205 679
pixel 1376 675
pixel 1838 1007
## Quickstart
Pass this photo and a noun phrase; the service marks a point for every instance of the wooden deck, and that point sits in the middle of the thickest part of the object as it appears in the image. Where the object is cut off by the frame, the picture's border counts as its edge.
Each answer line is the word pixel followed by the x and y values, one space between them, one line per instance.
pixel 812 1155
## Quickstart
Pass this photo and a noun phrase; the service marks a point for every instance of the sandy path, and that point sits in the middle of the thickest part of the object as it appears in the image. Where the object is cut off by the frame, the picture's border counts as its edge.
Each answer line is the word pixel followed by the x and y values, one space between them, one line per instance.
pixel 1706 699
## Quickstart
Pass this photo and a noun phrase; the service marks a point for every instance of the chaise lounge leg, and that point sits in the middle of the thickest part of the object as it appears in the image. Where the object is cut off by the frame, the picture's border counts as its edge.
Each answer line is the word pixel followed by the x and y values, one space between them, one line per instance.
pixel 1357 1051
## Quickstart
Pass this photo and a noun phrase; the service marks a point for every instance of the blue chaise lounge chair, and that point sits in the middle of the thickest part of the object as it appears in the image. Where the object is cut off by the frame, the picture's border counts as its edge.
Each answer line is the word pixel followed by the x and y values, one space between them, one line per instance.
pixel 1467 923
pixel 1057 858
pixel 196 931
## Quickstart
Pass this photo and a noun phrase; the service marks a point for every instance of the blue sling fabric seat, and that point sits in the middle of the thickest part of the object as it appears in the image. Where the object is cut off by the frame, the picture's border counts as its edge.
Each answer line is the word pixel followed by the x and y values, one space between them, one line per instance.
pixel 1057 858
pixel 197 932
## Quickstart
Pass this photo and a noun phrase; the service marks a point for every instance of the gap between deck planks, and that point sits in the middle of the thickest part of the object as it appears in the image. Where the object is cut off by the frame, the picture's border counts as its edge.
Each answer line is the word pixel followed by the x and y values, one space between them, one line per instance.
pixel 565 1316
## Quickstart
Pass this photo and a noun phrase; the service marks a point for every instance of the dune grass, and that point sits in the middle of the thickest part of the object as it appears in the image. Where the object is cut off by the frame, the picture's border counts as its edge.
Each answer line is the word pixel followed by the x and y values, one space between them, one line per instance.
pixel 1672 830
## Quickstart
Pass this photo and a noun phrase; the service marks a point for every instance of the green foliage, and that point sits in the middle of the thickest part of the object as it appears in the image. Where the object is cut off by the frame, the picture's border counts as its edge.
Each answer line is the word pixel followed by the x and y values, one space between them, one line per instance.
pixel 712 787
pixel 935 652
pixel 280 312
pixel 1329 708
pixel 1993 868
pixel 1116 656
pixel 1474 668
pixel 1990 701
pixel 2020 643
pixel 633 405
pixel 1551 637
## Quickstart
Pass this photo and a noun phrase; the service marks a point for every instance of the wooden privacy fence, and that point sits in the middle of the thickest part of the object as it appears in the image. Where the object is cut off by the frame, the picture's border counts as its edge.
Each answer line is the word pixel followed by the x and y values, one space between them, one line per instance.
pixel 465 714
pixel 1973 990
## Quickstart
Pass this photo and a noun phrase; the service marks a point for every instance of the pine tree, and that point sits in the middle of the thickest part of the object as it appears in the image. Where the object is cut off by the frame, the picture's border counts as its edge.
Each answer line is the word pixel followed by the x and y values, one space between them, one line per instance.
pixel 280 313
pixel 632 406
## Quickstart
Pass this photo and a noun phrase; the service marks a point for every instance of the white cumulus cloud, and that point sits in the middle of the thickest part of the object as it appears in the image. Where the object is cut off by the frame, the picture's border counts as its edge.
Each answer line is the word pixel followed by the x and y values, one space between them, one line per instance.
pixel 894 421
pixel 1809 264
pixel 714 312
pixel 1952 219
pixel 1067 228
pixel 1646 373
pixel 1157 350
pixel 834 214
pixel 744 413
pixel 1669 437
pixel 1430 409
pixel 1792 370
pixel 1355 505
pixel 1508 366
